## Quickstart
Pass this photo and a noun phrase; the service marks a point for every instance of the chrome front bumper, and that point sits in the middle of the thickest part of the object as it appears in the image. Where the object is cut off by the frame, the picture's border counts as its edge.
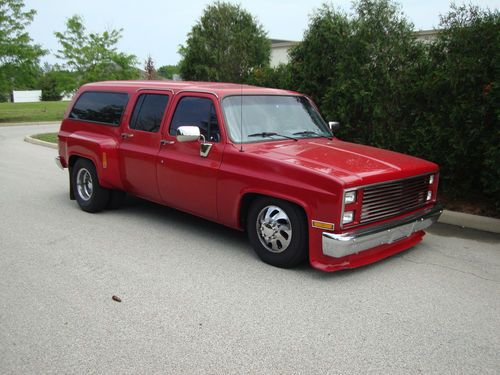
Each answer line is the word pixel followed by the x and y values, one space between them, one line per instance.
pixel 340 245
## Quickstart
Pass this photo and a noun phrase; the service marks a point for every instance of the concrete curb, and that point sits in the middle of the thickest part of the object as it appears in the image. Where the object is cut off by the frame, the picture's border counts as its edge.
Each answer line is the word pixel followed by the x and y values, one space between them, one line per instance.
pixel 39 142
pixel 8 124
pixel 486 224
pixel 483 223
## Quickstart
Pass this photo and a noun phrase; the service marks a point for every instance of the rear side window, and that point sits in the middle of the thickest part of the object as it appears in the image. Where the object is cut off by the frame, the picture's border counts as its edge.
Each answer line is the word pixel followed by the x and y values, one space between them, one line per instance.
pixel 103 107
pixel 198 112
pixel 148 112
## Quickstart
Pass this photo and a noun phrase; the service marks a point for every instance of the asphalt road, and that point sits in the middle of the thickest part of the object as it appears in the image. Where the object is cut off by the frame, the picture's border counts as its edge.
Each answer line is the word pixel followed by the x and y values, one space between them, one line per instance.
pixel 196 300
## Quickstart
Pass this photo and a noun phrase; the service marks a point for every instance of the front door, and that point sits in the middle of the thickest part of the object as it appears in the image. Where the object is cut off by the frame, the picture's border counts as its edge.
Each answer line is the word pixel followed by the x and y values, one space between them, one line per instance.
pixel 186 180
pixel 140 143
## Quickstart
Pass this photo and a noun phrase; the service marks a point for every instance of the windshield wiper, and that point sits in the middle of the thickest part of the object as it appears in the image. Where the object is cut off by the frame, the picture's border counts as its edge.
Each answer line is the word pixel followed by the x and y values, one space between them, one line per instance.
pixel 270 134
pixel 310 132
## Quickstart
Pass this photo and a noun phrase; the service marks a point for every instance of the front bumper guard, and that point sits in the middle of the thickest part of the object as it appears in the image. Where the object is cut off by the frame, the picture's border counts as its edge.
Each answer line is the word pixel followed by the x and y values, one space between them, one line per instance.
pixel 341 245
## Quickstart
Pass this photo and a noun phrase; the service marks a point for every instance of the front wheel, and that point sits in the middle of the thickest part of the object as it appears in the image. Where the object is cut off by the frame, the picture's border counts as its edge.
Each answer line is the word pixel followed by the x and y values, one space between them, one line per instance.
pixel 277 231
pixel 91 197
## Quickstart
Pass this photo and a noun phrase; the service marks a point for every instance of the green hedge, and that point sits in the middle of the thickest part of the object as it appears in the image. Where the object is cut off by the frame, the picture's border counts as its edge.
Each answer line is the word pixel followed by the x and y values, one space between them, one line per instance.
pixel 438 100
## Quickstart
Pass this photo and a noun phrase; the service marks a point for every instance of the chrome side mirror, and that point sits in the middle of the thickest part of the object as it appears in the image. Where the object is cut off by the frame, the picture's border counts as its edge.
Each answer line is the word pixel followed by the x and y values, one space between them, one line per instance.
pixel 192 133
pixel 188 133
pixel 334 125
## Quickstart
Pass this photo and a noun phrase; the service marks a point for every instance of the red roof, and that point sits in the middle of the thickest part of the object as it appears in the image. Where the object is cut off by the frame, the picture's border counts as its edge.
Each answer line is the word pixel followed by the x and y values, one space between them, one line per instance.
pixel 218 88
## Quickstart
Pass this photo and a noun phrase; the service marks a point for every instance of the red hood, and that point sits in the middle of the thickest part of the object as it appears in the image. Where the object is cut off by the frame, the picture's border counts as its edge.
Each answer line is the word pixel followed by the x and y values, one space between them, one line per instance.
pixel 351 163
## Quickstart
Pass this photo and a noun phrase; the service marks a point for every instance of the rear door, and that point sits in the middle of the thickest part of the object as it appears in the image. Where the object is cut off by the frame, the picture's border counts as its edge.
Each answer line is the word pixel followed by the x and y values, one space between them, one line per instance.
pixel 185 179
pixel 140 143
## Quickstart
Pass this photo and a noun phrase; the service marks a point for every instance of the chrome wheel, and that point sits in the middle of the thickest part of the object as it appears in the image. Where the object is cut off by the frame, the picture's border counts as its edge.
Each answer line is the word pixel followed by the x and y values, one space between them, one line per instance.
pixel 84 184
pixel 274 229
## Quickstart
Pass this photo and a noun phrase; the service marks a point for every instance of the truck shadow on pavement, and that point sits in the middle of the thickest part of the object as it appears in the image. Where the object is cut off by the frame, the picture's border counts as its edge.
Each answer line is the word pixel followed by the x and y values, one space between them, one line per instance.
pixel 230 240
pixel 197 227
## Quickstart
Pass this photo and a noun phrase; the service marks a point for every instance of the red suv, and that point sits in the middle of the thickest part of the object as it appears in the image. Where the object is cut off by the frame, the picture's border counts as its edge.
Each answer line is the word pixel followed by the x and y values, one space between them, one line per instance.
pixel 255 159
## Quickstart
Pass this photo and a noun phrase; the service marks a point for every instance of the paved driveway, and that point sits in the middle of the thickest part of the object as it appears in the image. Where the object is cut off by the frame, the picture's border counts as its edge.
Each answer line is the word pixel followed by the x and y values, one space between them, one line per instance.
pixel 197 300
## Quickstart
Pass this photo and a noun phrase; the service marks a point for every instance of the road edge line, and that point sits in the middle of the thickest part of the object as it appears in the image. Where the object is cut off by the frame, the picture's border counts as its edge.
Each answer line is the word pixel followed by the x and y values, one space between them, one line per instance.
pixel 11 124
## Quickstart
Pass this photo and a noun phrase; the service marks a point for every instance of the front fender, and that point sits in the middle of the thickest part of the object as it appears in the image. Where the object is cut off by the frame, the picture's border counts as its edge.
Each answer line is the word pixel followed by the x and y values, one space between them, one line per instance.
pixel 245 173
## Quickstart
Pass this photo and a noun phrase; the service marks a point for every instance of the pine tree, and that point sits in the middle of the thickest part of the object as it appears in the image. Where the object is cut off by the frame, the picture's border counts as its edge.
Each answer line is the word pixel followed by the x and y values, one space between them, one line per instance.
pixel 149 69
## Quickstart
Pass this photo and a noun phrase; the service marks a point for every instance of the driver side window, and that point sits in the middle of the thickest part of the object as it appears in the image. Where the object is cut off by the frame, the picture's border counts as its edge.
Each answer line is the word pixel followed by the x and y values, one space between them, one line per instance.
pixel 195 111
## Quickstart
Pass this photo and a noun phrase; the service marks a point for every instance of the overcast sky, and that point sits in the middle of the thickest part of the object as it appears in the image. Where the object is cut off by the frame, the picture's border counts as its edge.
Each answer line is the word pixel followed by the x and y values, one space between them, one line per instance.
pixel 157 28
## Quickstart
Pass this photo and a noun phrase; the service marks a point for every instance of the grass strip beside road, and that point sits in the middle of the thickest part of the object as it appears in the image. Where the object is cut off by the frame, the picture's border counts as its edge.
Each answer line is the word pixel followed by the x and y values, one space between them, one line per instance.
pixel 32 112
pixel 47 137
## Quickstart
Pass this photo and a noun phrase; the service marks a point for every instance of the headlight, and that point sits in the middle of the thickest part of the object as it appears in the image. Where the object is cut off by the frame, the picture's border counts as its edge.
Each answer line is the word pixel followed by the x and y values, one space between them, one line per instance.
pixel 348 217
pixel 429 195
pixel 431 179
pixel 350 197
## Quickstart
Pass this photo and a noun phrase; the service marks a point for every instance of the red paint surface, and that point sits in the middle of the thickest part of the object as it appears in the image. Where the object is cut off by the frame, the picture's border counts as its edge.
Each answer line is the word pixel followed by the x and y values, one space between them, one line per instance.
pixel 310 172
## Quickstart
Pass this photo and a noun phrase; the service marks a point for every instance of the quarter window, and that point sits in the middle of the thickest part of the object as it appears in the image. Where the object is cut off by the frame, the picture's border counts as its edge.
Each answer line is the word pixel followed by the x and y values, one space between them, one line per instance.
pixel 200 112
pixel 102 107
pixel 148 112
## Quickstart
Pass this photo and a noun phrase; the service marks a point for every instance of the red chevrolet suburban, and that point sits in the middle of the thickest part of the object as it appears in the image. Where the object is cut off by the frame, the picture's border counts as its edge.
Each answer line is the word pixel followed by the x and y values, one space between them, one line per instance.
pixel 255 159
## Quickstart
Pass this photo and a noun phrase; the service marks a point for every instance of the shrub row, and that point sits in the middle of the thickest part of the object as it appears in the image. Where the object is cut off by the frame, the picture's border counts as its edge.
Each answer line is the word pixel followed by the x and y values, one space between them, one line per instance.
pixel 437 100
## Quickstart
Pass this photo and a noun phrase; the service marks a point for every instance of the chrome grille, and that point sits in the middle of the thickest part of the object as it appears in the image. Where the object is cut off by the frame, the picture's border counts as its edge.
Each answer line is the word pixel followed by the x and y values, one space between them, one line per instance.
pixel 393 198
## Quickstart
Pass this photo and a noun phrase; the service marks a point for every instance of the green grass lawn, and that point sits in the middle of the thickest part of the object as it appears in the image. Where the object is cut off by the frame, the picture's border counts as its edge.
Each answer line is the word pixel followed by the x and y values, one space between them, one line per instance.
pixel 32 112
pixel 47 137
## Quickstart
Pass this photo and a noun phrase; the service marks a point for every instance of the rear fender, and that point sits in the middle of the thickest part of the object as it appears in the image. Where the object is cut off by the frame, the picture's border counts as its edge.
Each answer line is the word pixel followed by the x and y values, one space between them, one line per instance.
pixel 102 151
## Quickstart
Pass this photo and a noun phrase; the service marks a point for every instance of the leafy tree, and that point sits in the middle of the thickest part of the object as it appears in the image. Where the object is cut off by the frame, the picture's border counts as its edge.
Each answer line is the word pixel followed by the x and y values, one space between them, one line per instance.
pixel 168 71
pixel 224 45
pixel 56 82
pixel 48 85
pixel 149 69
pixel 94 56
pixel 19 57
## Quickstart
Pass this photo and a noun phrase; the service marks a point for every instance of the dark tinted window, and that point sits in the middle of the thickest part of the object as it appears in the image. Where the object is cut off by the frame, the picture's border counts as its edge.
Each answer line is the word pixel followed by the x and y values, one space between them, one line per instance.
pixel 198 112
pixel 148 112
pixel 105 107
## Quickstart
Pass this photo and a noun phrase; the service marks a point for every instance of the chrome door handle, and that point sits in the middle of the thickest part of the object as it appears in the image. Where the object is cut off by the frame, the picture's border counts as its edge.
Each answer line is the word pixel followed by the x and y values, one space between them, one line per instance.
pixel 164 142
pixel 127 135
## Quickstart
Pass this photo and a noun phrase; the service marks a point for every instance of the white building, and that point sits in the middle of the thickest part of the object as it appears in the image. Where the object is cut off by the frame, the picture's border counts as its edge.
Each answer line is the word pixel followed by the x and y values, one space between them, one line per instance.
pixel 279 51
pixel 26 96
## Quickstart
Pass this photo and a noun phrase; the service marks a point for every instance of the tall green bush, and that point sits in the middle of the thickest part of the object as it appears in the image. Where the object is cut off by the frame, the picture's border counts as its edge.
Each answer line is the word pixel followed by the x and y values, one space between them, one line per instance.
pixel 277 77
pixel 437 100
pixel 462 111
pixel 360 69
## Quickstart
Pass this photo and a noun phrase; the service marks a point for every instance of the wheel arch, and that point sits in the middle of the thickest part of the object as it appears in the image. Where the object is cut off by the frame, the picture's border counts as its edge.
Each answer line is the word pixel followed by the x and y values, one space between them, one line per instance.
pixel 248 197
pixel 71 163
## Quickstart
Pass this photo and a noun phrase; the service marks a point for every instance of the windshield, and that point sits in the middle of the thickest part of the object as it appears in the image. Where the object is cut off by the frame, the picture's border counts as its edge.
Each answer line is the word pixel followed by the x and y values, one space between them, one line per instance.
pixel 269 117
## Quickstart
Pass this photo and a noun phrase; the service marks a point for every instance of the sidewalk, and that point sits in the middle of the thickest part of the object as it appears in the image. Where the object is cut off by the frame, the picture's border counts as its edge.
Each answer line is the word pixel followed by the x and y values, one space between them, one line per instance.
pixel 461 219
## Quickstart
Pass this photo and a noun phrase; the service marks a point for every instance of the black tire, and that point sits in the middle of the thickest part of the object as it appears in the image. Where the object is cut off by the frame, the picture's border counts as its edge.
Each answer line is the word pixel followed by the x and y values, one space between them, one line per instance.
pixel 93 197
pixel 116 199
pixel 265 220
